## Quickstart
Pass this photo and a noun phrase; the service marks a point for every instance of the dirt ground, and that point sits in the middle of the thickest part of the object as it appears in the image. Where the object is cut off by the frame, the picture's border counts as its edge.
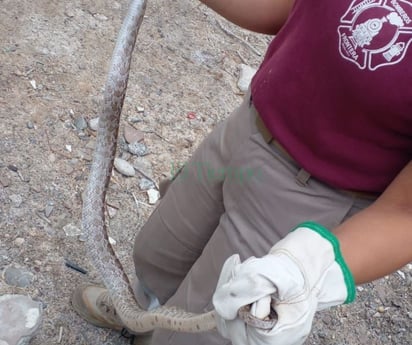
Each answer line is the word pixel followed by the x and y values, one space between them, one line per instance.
pixel 54 56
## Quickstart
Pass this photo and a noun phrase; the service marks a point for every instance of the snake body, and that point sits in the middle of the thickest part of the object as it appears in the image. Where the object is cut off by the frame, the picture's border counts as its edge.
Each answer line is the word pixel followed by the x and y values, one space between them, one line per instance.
pixel 102 255
pixel 99 249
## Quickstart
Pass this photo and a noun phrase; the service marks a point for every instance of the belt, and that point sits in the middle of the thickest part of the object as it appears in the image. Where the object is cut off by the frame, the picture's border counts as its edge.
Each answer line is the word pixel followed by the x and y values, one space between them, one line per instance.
pixel 303 176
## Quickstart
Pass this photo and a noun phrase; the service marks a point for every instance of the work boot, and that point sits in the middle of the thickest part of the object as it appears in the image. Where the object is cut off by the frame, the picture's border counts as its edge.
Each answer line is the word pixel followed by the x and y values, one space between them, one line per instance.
pixel 93 304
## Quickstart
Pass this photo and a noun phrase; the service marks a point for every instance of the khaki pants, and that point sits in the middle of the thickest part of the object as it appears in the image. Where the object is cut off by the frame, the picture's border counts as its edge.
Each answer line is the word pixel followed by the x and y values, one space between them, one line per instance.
pixel 237 194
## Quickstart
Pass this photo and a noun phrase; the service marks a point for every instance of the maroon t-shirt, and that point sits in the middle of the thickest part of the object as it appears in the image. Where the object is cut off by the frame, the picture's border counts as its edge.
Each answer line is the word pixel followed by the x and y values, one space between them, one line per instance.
pixel 335 89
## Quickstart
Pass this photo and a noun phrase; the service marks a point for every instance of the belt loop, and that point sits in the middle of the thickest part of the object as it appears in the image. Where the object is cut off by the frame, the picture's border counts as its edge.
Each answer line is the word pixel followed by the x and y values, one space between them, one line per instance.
pixel 302 177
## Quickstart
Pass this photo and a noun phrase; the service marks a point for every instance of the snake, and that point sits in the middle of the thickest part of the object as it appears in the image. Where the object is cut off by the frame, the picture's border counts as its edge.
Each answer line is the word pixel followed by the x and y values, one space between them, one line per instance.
pixel 100 251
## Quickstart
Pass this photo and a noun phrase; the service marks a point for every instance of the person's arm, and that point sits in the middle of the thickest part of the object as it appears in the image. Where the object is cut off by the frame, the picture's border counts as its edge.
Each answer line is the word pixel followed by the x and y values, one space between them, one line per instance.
pixel 312 269
pixel 263 16
pixel 378 240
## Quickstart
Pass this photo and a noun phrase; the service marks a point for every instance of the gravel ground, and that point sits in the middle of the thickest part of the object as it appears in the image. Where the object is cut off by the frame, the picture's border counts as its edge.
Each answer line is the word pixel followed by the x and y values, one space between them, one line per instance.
pixel 54 56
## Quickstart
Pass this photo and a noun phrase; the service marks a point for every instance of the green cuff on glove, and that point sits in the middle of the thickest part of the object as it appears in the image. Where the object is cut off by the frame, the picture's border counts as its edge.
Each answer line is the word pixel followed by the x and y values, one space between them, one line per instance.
pixel 329 236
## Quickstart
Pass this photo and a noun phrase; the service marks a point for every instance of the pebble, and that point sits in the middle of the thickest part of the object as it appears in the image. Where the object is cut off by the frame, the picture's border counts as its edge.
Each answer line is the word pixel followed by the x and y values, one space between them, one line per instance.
pixel 69 13
pixel 381 309
pixel 146 184
pixel 122 144
pixel 154 196
pixel 100 17
pixel 112 241
pixel 124 167
pixel 132 135
pixel 16 200
pixel 19 241
pixel 12 168
pixel 94 124
pixel 16 276
pixel 138 149
pixel 143 165
pixel 20 318
pixel 111 211
pixel 35 189
pixel 80 123
pixel 403 276
pixel 125 155
pixel 5 181
pixel 71 230
pixel 68 169
pixel 140 109
pixel 33 84
pixel 48 209
pixel 134 119
pixel 30 125
pixel 246 75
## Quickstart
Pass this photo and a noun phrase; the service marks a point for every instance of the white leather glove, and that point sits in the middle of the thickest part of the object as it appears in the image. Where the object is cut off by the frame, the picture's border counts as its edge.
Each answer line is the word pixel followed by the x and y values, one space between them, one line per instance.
pixel 303 273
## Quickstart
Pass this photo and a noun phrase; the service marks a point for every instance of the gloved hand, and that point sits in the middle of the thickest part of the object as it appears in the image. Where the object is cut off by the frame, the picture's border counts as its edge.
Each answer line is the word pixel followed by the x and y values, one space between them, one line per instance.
pixel 303 273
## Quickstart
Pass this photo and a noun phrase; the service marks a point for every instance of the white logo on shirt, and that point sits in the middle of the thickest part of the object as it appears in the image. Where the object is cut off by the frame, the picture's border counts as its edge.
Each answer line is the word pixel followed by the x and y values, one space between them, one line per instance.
pixel 376 33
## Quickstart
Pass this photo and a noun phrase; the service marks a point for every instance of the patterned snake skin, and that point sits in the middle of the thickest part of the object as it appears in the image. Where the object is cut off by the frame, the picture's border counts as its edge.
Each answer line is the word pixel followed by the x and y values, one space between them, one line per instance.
pixel 100 251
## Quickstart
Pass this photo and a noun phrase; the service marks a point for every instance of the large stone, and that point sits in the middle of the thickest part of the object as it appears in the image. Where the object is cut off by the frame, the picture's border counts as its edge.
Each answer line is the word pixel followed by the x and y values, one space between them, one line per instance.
pixel 20 318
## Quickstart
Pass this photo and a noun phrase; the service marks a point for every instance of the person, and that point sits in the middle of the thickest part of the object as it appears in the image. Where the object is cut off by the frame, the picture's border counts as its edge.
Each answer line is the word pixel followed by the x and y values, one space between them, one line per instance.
pixel 302 193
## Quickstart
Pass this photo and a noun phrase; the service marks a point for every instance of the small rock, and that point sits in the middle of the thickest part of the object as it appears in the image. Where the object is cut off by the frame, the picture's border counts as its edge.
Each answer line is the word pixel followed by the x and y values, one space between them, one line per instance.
pixel 397 302
pixel 69 13
pixel 403 276
pixel 82 237
pixel 381 309
pixel 111 211
pixel 33 84
pixel 35 189
pixel 19 241
pixel 12 168
pixel 122 144
pixel 80 123
pixel 132 134
pixel 71 230
pixel 4 181
pixel 125 155
pixel 20 318
pixel 100 17
pixel 30 125
pixel 140 109
pixel 191 115
pixel 48 209
pixel 154 196
pixel 69 148
pixel 16 276
pixel 68 169
pixel 16 200
pixel 94 124
pixel 146 184
pixel 112 241
pixel 124 167
pixel 134 119
pixel 143 165
pixel 246 75
pixel 138 149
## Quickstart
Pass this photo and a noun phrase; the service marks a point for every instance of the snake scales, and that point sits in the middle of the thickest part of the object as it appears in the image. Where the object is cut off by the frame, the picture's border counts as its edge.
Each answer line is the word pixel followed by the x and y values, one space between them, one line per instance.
pixel 100 251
